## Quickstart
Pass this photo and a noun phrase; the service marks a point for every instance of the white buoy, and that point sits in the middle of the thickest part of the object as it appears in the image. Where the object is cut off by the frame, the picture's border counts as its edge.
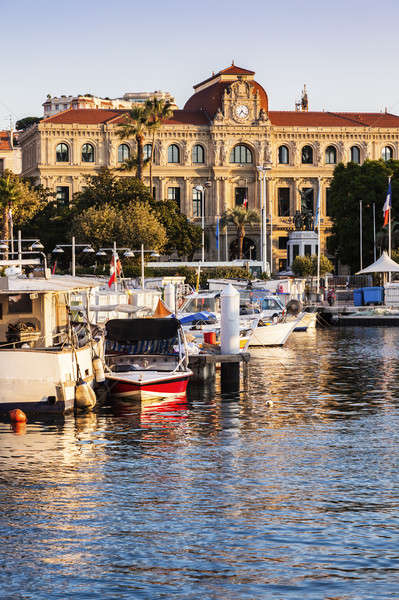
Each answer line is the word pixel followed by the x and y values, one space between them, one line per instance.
pixel 85 396
pixel 170 298
pixel 98 369
pixel 230 321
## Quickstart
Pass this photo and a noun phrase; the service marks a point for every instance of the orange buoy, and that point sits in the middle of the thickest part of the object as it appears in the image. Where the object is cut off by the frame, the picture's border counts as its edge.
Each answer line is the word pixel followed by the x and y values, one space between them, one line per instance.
pixel 18 416
pixel 18 428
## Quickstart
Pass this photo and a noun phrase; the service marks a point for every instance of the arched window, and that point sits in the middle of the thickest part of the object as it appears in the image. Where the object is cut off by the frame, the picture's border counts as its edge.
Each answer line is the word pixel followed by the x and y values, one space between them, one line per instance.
pixel 241 155
pixel 198 154
pixel 147 151
pixel 123 153
pixel 87 153
pixel 283 155
pixel 331 155
pixel 387 153
pixel 355 155
pixel 62 153
pixel 307 155
pixel 173 154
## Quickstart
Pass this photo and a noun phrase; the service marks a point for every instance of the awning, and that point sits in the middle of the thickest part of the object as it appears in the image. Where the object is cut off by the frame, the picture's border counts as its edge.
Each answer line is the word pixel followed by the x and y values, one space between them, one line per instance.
pixel 383 265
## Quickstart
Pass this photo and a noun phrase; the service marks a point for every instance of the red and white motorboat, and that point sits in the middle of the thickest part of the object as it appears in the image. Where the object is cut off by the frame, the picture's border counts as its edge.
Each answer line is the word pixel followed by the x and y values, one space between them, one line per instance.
pixel 147 358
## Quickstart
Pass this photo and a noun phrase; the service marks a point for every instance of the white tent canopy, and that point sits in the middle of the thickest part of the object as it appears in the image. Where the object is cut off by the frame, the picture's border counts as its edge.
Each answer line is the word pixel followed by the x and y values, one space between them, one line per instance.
pixel 383 265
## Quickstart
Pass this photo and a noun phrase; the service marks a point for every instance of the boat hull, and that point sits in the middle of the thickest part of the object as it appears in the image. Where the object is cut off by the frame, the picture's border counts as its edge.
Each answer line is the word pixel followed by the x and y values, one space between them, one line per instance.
pixel 308 321
pixel 42 381
pixel 167 387
pixel 275 334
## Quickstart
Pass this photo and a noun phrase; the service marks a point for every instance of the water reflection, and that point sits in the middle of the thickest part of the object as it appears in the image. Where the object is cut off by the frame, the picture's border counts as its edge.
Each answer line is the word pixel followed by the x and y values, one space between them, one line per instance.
pixel 286 490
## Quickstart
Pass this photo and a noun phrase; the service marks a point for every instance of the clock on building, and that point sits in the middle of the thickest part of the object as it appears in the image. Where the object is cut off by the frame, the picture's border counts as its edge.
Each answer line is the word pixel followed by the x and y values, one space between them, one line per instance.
pixel 242 111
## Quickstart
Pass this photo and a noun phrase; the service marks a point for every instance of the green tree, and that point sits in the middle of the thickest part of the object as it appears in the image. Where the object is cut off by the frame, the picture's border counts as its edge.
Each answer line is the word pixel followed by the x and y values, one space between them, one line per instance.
pixel 131 226
pixel 302 266
pixel 351 184
pixel 107 188
pixel 158 111
pixel 240 217
pixel 26 122
pixel 136 124
pixel 326 265
pixel 21 198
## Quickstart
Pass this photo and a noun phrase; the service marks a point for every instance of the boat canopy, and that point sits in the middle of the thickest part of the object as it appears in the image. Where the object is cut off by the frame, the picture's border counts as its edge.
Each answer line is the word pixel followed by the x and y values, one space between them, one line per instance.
pixel 135 330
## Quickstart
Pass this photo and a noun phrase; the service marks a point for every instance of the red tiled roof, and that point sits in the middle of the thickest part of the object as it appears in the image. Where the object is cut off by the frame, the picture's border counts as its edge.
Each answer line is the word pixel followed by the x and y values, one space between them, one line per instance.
pixel 5 140
pixel 233 70
pixel 210 98
pixel 186 117
pixel 84 116
pixel 330 119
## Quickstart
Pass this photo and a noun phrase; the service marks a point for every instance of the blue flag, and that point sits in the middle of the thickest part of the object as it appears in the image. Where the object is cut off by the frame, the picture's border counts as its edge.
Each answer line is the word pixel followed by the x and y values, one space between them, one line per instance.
pixel 217 234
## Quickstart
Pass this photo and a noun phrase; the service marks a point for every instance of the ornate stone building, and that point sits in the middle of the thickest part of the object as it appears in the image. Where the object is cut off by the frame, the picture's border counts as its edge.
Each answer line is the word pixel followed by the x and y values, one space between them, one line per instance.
pixel 223 133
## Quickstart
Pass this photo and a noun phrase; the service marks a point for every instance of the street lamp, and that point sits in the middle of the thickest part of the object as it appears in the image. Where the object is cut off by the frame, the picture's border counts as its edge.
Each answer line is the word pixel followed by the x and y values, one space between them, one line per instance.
pixel 128 253
pixel 201 189
pixel 262 174
pixel 36 247
pixel 59 250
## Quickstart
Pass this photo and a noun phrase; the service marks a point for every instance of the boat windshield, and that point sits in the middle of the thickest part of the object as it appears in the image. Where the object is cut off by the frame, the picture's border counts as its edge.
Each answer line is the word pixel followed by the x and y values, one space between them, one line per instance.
pixel 271 304
pixel 201 303
pixel 258 298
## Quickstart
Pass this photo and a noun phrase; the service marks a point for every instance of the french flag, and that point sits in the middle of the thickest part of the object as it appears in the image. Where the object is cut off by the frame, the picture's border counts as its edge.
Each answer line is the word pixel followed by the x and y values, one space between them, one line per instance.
pixel 387 205
pixel 245 202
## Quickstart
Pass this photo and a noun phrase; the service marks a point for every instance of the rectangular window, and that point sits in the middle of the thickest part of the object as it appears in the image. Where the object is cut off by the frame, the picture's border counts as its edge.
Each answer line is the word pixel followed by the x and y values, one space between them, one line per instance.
pixel 282 243
pixel 154 192
pixel 62 196
pixel 241 196
pixel 282 264
pixel 307 199
pixel 328 202
pixel 197 203
pixel 308 250
pixel 19 304
pixel 295 251
pixel 174 194
pixel 1 166
pixel 283 202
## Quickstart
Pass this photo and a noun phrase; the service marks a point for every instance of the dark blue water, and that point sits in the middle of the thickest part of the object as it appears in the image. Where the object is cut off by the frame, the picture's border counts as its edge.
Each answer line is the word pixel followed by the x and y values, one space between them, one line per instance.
pixel 289 491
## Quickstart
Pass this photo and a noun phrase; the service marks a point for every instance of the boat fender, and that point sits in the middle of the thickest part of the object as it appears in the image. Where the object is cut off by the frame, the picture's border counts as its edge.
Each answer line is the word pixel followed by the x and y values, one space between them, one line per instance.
pixel 98 369
pixel 84 395
pixel 17 416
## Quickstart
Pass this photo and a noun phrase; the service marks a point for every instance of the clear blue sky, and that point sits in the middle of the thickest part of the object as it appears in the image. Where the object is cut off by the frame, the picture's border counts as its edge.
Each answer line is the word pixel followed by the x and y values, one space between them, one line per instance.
pixel 345 51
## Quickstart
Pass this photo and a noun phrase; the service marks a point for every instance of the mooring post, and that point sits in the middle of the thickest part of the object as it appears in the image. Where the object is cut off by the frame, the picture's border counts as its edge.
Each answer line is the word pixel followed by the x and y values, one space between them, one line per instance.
pixel 170 299
pixel 230 338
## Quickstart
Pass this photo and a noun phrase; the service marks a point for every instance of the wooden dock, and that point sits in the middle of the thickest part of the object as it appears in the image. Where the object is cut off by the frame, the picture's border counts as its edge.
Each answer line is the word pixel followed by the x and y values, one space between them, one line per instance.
pixel 203 367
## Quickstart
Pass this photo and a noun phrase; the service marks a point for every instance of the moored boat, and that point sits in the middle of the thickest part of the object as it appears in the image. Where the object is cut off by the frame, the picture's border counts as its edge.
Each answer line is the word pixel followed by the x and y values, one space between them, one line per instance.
pixel 47 361
pixel 147 358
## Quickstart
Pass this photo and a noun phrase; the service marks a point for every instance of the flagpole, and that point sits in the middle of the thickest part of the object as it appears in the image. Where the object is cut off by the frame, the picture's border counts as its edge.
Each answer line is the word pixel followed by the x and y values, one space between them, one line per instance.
pixel 318 239
pixel 115 269
pixel 218 236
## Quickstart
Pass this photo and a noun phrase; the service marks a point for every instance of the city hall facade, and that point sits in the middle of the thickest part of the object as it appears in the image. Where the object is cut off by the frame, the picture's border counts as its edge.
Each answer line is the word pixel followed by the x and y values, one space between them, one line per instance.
pixel 217 141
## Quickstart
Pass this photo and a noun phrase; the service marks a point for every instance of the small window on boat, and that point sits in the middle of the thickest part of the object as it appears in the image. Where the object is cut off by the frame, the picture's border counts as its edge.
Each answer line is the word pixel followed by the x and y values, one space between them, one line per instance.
pixel 19 304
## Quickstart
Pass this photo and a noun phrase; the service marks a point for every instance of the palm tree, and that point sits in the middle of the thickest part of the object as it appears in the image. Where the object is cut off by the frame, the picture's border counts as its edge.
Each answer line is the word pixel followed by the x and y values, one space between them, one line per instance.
pixel 159 110
pixel 8 193
pixel 132 163
pixel 136 124
pixel 240 217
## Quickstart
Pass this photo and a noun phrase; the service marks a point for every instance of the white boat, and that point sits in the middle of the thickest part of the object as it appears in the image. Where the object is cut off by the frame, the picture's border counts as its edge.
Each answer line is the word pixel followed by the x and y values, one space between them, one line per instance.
pixel 262 317
pixel 308 321
pixel 146 358
pixel 46 359
pixel 271 334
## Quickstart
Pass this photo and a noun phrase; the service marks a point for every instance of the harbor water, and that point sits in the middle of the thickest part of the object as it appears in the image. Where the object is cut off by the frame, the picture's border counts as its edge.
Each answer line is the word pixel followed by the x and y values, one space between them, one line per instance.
pixel 289 490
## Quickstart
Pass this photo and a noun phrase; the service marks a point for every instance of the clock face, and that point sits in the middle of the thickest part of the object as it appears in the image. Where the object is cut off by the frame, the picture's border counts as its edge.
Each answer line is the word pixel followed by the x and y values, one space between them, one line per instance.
pixel 242 111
